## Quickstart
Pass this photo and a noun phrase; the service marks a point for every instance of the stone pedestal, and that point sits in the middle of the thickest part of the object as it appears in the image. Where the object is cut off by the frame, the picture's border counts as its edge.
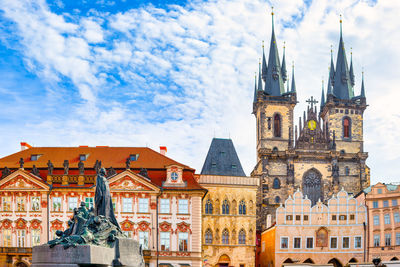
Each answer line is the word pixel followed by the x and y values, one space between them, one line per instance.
pixel 126 252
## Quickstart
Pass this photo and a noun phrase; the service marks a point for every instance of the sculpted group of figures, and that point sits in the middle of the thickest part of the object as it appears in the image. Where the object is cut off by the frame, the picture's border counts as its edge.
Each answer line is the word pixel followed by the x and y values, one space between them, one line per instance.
pixel 97 226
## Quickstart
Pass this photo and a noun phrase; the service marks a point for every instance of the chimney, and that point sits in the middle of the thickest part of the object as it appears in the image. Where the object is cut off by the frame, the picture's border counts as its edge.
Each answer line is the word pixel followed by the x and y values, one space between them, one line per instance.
pixel 25 145
pixel 163 150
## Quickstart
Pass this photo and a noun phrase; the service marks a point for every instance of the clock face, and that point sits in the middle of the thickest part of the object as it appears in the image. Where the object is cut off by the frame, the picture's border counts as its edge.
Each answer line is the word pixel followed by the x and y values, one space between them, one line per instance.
pixel 312 125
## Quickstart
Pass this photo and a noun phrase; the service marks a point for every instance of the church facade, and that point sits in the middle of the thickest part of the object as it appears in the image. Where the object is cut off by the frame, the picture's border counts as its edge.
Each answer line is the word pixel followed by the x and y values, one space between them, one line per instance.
pixel 321 154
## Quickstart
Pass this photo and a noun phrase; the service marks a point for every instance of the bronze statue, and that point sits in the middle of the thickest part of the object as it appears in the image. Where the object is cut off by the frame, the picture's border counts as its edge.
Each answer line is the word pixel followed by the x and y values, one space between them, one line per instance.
pixel 50 168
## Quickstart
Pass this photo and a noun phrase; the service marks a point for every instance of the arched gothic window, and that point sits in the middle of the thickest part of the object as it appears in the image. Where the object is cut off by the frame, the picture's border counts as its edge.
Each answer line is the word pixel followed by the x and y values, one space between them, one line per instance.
pixel 242 237
pixel 208 237
pixel 225 237
pixel 209 207
pixel 225 207
pixel 277 199
pixel 276 184
pixel 346 127
pixel 277 125
pixel 242 207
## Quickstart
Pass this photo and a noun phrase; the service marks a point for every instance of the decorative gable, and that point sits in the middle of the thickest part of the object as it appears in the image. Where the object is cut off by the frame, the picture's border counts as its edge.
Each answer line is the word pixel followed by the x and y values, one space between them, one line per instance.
pixel 130 181
pixel 21 180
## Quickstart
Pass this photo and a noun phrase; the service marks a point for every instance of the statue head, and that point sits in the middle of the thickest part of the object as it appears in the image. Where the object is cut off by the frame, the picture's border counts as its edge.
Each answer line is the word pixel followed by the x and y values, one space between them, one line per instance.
pixel 102 171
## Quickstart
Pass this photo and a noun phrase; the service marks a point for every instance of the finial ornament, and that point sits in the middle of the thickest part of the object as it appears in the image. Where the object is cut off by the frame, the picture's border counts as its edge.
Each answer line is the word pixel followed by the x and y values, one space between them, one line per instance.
pixel 272 15
pixel 340 24
pixel 262 43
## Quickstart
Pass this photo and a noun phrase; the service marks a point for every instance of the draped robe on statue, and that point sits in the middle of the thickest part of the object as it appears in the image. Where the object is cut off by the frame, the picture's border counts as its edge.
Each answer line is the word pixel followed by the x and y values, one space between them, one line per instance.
pixel 103 200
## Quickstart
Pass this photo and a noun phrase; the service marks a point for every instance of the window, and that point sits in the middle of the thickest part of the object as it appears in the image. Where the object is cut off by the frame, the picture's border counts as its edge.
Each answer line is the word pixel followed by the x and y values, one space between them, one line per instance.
pixel 35 237
pixel 352 217
pixel 164 205
pixel 127 204
pixel 164 241
pixel 183 206
pixel 208 237
pixel 6 203
pixel 386 203
pixel 386 218
pixel 225 207
pixel 357 242
pixel 394 202
pixel 225 237
pixel 209 207
pixel 7 237
pixel 305 217
pixel 35 157
pixel 396 216
pixel 333 242
pixel 143 205
pixel 379 190
pixel 388 239
pixel 397 239
pixel 72 203
pixel 20 203
pixel 289 217
pixel 174 176
pixel 213 165
pixel 297 242
pixel 284 242
pixel 56 203
pixel 310 242
pixel 89 202
pixel 133 157
pixel 242 237
pixel 298 217
pixel 377 240
pixel 276 184
pixel 35 203
pixel 242 207
pixel 277 200
pixel 347 170
pixel 21 238
pixel 183 241
pixel 342 217
pixel 333 217
pixel 376 219
pixel 144 239
pixel 375 204
pixel 346 127
pixel 233 166
pixel 346 242
pixel 82 157
pixel 277 125
pixel 114 203
pixel 129 234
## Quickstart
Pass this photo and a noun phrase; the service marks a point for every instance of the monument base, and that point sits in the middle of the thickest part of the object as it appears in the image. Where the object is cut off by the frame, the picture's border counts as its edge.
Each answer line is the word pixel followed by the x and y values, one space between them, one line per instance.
pixel 126 253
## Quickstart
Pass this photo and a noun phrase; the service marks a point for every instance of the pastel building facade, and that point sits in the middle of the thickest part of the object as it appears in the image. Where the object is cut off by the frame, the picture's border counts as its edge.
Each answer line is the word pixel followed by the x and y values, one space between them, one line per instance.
pixel 321 234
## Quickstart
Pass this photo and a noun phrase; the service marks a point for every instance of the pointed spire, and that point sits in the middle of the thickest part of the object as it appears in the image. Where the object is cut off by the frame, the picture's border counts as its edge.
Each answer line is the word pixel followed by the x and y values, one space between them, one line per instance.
pixel 283 68
pixel 352 81
pixel 331 77
pixel 264 64
pixel 255 88
pixel 259 77
pixel 293 82
pixel 322 96
pixel 362 86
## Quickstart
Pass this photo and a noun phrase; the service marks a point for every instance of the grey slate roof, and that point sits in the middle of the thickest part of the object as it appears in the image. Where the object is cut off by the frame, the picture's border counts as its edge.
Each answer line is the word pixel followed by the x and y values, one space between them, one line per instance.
pixel 222 159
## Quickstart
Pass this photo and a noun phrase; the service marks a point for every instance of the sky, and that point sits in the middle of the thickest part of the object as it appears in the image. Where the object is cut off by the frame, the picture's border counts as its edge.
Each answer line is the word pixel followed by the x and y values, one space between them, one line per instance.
pixel 178 73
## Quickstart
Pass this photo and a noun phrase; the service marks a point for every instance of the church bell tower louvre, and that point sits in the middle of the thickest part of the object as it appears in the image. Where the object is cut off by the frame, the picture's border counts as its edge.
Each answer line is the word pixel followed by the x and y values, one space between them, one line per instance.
pixel 320 155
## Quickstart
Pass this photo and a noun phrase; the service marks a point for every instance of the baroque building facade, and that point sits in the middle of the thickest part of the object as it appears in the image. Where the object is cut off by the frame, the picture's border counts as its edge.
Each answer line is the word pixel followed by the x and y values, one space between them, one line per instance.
pixel 229 209
pixel 321 154
pixel 157 200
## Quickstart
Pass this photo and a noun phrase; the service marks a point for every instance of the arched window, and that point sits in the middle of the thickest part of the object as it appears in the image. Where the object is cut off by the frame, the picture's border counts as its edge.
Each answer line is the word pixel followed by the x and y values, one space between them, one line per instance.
pixel 346 127
pixel 277 199
pixel 209 207
pixel 276 184
pixel 208 237
pixel 225 237
pixel 242 207
pixel 277 125
pixel 242 237
pixel 225 207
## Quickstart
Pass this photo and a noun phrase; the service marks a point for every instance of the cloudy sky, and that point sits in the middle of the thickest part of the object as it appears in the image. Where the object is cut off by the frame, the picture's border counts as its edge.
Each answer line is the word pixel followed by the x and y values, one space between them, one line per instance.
pixel 178 73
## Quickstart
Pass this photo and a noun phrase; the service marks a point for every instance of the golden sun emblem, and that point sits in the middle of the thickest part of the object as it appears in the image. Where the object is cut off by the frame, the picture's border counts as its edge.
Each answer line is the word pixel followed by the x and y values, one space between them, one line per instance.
pixel 312 125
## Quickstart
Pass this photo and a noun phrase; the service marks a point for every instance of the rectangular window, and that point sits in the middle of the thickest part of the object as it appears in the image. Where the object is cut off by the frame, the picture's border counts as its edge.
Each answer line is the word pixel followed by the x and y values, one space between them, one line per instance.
pixel 305 217
pixel 388 239
pixel 310 242
pixel 56 203
pixel 289 217
pixel 7 237
pixel 164 241
pixel 72 203
pixel 127 204
pixel 144 239
pixel 352 217
pixel 333 242
pixel 380 191
pixel 377 240
pixel 143 205
pixel 284 242
pixel 35 203
pixel 397 239
pixel 20 203
pixel 346 242
pixel 134 157
pixel 376 219
pixel 386 218
pixel 298 217
pixel 164 205
pixel 396 217
pixel 297 242
pixel 386 203
pixel 375 204
pixel 333 217
pixel 82 157
pixel 21 238
pixel 6 203
pixel 394 202
pixel 183 241
pixel 342 217
pixel 89 202
pixel 183 206
pixel 114 203
pixel 35 237
pixel 357 242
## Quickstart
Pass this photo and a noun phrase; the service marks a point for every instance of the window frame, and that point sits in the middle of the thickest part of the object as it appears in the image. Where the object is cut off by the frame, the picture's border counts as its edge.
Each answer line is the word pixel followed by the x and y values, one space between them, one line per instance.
pixel 287 242
pixel 59 209
pixel 386 203
pixel 225 237
pixel 277 123
pixel 21 238
pixel 71 209
pixel 184 249
pixel 164 202
pixel 294 242
pixel 355 241
pixel 390 239
pixel 32 202
pixel 346 136
pixel 144 245
pixel 127 204
pixel 143 207
pixel 375 204
pixel 6 204
pixel 89 204
pixel 9 239
pixel 376 220
pixel 163 239
pixel 21 207
pixel 208 236
pixel 348 245
pixel 242 237
pixel 396 217
pixel 377 237
pixel 330 242
pixel 386 219
pixel 312 243
pixel 180 206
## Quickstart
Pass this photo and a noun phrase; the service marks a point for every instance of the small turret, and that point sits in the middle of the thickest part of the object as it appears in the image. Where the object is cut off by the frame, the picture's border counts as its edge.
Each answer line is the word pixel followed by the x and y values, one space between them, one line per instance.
pixel 362 95
pixel 264 65
pixel 283 68
pixel 322 96
pixel 293 82
pixel 352 80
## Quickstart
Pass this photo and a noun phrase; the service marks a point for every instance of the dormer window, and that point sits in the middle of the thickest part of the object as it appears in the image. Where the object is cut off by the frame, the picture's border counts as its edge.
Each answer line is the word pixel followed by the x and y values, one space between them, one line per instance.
pixel 35 157
pixel 213 165
pixel 82 157
pixel 134 157
pixel 174 176
pixel 233 166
